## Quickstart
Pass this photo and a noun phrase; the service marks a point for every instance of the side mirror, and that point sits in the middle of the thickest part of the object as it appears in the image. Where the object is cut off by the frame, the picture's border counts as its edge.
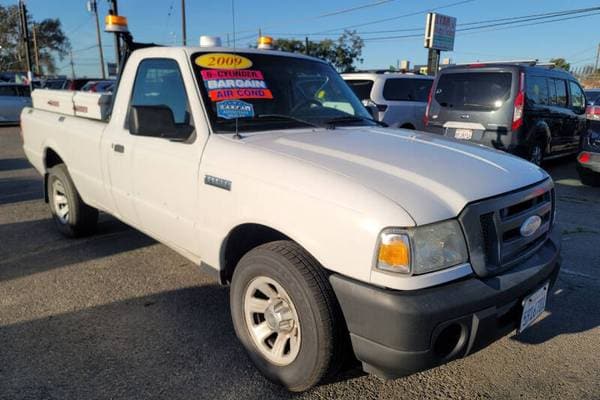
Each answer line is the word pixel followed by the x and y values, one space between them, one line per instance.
pixel 372 109
pixel 155 121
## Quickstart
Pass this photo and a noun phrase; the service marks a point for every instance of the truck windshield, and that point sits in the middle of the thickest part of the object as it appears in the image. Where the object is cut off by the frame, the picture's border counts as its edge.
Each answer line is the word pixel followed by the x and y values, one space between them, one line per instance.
pixel 257 92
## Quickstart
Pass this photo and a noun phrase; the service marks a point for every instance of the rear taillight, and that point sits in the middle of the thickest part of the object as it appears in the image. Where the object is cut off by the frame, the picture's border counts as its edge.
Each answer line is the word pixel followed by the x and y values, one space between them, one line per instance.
pixel 584 157
pixel 426 116
pixel 519 104
pixel 593 113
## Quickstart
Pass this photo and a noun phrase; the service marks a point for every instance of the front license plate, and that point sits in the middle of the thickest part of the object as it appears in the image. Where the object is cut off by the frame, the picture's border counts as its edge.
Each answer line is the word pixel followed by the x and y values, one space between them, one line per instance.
pixel 533 306
pixel 463 134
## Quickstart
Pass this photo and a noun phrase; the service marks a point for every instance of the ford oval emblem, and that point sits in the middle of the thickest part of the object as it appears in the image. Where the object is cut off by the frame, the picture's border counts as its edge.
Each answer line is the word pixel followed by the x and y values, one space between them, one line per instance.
pixel 530 226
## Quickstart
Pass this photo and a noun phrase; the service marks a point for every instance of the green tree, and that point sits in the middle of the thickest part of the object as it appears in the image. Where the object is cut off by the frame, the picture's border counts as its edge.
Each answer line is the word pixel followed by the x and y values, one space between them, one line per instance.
pixel 561 63
pixel 51 42
pixel 343 52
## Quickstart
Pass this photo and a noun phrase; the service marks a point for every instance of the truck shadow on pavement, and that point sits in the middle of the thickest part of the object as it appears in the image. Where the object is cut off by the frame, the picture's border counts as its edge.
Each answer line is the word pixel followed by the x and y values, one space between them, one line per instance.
pixel 15 190
pixel 176 344
pixel 13 164
pixel 36 246
pixel 572 308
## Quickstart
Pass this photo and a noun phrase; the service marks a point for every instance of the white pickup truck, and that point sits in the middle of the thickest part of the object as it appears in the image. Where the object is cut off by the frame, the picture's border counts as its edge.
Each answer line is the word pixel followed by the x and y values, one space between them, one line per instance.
pixel 338 237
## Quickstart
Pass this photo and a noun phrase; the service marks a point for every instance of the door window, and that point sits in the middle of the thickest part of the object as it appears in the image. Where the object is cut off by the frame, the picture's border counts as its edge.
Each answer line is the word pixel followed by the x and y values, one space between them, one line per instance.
pixel 159 83
pixel 537 90
pixel 407 89
pixel 8 90
pixel 560 86
pixel 577 97
pixel 361 88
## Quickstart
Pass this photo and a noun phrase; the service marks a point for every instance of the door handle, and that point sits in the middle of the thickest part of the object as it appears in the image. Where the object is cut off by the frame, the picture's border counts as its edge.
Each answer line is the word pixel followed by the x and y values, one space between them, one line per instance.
pixel 119 148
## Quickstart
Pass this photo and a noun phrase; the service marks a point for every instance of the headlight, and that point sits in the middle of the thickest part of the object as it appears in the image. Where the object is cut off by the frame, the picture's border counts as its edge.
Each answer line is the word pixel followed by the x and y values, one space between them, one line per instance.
pixel 423 249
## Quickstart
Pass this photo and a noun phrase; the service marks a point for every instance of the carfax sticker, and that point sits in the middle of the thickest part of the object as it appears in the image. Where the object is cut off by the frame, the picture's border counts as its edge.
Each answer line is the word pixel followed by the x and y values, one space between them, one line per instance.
pixel 235 84
pixel 230 109
pixel 223 61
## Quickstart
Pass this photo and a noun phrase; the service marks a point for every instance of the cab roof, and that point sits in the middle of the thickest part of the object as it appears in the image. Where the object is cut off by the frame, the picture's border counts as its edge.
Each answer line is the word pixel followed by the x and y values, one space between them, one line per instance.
pixel 197 49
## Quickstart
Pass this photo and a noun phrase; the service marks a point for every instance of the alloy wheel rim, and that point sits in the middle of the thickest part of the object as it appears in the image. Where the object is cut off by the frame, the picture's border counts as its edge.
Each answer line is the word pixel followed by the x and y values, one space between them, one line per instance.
pixel 272 320
pixel 536 155
pixel 60 201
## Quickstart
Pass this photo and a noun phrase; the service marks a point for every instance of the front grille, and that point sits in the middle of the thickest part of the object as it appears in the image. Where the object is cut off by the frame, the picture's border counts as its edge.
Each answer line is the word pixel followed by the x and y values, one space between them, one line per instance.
pixel 493 227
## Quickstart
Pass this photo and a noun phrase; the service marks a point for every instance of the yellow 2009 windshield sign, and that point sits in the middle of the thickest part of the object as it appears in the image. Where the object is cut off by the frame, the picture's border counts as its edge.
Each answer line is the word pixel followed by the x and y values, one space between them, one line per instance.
pixel 223 61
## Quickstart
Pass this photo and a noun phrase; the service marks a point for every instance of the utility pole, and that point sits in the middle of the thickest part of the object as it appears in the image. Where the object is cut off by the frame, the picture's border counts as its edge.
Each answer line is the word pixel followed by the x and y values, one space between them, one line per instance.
pixel 115 11
pixel 36 52
pixel 93 7
pixel 306 51
pixel 597 59
pixel 25 38
pixel 183 27
pixel 72 66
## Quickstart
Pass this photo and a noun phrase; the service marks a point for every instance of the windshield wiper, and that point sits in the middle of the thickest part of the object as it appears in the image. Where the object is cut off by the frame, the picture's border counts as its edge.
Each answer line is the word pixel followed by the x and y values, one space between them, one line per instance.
pixel 286 117
pixel 352 118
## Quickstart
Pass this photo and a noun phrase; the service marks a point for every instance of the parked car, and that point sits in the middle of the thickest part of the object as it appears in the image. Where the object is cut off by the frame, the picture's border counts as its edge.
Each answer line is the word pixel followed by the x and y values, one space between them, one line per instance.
pixel 332 231
pixel 588 160
pixel 592 96
pixel 536 112
pixel 13 98
pixel 55 84
pixel 98 86
pixel 400 99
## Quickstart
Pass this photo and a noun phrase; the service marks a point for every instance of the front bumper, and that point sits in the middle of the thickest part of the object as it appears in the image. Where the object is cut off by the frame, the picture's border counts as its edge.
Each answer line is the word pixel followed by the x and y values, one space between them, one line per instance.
pixel 397 333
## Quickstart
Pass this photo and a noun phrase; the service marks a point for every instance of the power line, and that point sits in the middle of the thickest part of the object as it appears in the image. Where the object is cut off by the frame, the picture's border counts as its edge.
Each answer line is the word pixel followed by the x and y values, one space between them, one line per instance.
pixel 328 14
pixel 511 20
pixel 351 9
pixel 398 16
pixel 531 24
pixel 500 26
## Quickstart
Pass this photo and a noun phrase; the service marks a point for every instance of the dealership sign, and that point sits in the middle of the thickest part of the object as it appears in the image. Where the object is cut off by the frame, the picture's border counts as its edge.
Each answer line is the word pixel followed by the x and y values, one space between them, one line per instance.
pixel 439 32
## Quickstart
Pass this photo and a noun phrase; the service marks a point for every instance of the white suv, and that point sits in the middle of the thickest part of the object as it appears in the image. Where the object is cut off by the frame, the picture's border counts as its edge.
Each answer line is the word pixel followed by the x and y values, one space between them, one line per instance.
pixel 400 98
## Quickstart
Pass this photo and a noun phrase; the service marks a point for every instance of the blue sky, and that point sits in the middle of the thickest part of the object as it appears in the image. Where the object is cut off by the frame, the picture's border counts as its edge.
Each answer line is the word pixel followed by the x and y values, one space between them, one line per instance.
pixel 149 20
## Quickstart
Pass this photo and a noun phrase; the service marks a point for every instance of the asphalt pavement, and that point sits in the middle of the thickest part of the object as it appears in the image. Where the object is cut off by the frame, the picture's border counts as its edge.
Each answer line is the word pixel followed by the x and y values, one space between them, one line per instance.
pixel 119 316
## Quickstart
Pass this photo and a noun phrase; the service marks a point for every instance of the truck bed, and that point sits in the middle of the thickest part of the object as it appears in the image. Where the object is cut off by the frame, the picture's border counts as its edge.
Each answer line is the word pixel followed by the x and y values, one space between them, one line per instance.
pixel 76 139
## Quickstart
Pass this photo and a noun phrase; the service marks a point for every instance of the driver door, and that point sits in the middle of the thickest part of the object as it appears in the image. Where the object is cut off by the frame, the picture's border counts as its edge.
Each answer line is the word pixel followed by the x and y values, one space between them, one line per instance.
pixel 165 179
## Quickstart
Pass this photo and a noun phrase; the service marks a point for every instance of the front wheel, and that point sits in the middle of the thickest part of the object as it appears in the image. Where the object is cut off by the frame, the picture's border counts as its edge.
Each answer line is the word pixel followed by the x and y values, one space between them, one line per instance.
pixel 72 216
pixel 286 315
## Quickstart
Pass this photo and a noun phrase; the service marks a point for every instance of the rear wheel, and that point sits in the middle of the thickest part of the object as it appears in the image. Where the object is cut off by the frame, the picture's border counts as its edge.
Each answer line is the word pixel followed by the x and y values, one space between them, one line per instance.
pixel 535 154
pixel 71 215
pixel 286 315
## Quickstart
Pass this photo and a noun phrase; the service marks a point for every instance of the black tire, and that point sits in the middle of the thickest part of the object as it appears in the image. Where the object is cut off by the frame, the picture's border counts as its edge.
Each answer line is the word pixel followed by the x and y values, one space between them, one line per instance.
pixel 535 153
pixel 588 178
pixel 81 219
pixel 320 319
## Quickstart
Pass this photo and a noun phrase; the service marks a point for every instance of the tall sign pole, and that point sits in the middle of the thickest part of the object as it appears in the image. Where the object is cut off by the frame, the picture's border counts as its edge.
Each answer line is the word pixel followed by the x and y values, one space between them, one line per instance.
pixel 93 7
pixel 439 36
pixel 25 38
pixel 183 25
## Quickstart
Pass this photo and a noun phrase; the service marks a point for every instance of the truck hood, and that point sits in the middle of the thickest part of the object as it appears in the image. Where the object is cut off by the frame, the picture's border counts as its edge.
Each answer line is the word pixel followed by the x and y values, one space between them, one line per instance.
pixel 431 177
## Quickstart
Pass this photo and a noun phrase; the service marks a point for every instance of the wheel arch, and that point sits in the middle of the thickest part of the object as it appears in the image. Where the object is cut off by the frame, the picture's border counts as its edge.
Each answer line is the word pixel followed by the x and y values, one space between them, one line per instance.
pixel 240 240
pixel 243 238
pixel 407 125
pixel 51 158
pixel 540 130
